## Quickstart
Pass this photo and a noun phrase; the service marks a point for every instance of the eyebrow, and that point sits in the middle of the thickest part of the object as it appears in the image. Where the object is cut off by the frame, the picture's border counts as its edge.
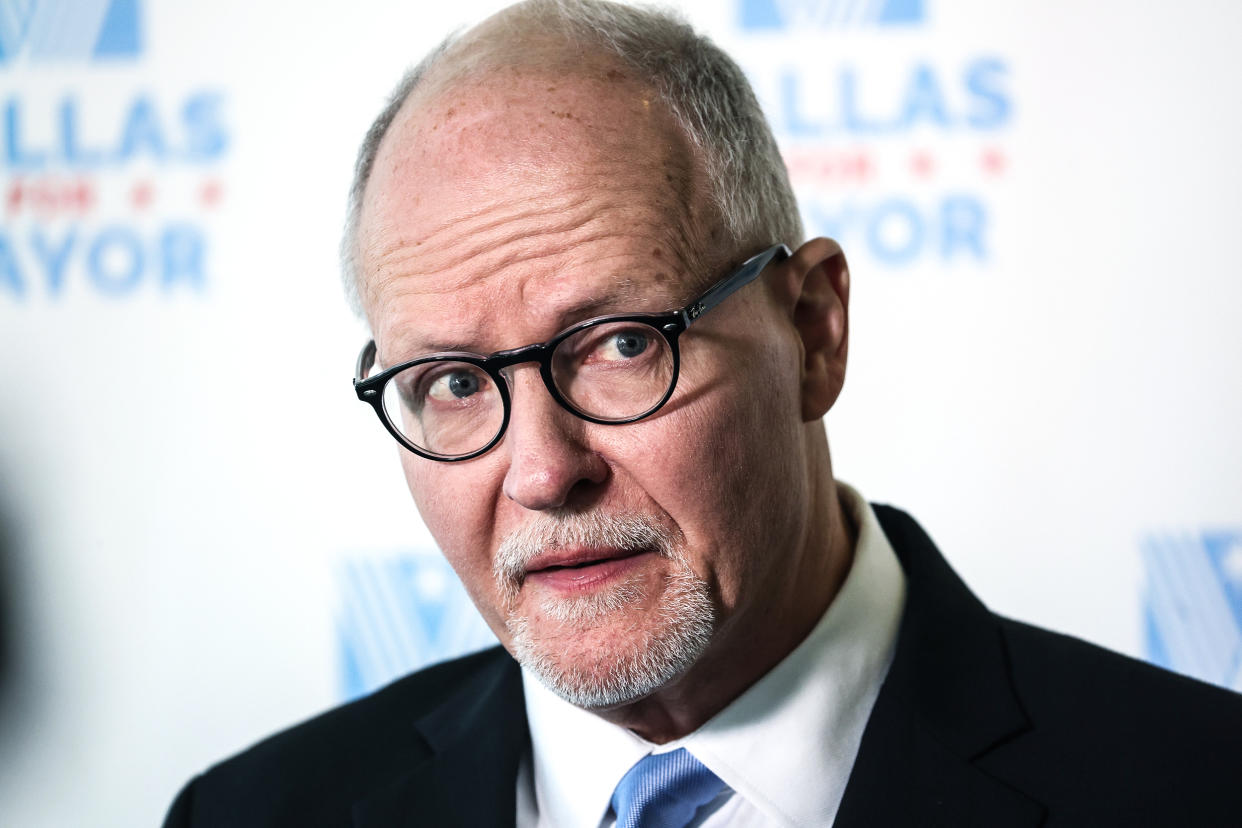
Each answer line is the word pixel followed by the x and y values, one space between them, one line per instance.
pixel 621 293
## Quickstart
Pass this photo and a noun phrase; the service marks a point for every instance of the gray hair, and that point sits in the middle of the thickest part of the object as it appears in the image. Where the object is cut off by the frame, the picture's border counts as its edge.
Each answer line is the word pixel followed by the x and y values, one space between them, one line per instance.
pixel 706 92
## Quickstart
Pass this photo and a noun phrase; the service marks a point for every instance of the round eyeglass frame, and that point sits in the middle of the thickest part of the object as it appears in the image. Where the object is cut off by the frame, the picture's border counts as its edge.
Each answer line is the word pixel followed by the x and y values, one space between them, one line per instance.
pixel 670 325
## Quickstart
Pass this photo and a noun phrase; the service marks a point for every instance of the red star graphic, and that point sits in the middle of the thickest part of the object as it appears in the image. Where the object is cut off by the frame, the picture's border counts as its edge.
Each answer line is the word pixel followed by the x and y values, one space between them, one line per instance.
pixel 921 164
pixel 142 194
pixel 858 167
pixel 993 161
pixel 14 198
pixel 211 192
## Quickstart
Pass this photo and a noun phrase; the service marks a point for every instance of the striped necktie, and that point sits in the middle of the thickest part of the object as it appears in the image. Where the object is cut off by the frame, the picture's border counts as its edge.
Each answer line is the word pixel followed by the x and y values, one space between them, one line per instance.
pixel 664 790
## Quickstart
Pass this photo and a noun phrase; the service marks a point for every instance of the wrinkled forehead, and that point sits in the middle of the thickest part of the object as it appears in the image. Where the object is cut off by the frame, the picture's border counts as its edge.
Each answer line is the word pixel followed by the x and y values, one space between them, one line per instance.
pixel 526 163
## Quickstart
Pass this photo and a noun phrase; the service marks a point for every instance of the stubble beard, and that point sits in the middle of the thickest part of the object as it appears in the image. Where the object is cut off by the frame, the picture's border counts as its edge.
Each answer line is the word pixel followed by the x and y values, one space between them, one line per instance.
pixel 633 666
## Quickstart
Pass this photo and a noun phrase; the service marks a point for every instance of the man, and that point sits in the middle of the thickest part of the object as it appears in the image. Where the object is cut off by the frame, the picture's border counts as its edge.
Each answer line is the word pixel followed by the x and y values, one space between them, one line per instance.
pixel 608 375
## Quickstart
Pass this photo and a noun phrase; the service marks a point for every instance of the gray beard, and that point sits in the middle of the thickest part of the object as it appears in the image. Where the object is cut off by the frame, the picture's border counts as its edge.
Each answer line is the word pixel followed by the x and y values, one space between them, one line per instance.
pixel 643 664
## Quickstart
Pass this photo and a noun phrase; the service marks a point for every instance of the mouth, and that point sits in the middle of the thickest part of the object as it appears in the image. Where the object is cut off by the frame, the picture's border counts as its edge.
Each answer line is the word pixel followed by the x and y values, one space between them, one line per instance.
pixel 576 569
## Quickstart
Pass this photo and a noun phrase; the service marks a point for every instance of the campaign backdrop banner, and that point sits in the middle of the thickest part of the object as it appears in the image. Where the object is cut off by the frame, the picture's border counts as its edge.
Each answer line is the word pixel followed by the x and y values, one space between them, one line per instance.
pixel 204 537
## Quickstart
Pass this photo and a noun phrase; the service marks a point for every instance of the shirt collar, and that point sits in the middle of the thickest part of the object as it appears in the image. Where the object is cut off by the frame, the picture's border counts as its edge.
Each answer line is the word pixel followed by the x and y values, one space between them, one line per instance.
pixel 786 745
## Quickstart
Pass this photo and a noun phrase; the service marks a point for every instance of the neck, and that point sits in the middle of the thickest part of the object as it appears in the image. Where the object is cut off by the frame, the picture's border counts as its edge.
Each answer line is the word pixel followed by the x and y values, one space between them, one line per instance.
pixel 745 648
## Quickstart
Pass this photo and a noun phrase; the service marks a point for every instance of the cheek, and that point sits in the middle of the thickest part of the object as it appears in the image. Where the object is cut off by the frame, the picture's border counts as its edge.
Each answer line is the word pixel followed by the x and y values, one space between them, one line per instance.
pixel 455 507
pixel 750 420
pixel 739 486
pixel 451 497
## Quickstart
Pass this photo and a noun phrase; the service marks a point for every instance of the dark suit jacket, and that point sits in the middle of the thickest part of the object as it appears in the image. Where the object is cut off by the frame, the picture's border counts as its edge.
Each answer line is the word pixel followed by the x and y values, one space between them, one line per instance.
pixel 981 721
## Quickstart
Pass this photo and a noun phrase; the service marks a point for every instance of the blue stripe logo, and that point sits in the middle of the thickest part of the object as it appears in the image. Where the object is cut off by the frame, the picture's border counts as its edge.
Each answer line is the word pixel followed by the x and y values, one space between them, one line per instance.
pixel 69 30
pixel 400 612
pixel 828 14
pixel 1193 604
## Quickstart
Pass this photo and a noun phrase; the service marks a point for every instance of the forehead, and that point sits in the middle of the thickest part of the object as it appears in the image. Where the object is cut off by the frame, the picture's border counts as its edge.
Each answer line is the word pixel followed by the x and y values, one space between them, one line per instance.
pixel 527 193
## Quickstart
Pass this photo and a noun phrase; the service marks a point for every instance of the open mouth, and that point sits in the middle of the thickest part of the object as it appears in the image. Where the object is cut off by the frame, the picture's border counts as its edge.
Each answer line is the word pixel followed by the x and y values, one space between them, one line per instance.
pixel 576 569
pixel 581 565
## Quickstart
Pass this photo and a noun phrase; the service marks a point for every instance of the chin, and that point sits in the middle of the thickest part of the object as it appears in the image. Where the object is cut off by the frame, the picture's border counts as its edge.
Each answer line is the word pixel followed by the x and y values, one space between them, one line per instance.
pixel 593 652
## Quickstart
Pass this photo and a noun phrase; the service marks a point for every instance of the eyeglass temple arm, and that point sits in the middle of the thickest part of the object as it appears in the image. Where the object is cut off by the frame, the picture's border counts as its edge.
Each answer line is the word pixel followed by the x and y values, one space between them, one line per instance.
pixel 747 273
pixel 365 360
pixel 744 275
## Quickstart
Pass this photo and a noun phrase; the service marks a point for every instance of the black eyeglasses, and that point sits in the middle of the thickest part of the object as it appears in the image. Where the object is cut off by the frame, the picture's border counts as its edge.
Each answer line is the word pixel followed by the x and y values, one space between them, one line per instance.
pixel 611 370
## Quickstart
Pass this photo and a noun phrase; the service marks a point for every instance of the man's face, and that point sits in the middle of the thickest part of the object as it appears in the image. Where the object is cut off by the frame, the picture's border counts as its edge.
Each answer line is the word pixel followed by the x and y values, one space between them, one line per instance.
pixel 500 213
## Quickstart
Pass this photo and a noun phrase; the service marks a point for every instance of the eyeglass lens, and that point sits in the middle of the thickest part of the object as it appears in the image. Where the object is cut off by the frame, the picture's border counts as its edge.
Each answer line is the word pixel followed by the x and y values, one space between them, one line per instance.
pixel 611 371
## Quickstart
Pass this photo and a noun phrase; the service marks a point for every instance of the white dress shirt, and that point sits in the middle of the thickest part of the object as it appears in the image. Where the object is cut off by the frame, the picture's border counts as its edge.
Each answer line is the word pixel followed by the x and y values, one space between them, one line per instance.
pixel 784 748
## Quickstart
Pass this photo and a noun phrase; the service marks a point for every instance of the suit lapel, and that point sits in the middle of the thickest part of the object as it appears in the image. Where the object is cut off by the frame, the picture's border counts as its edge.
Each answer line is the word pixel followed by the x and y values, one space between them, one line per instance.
pixel 476 740
pixel 946 702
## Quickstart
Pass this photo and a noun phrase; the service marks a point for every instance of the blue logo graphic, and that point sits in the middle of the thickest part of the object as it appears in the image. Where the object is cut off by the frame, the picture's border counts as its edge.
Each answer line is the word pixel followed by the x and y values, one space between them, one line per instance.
pixel 73 30
pixel 400 612
pixel 1193 604
pixel 828 14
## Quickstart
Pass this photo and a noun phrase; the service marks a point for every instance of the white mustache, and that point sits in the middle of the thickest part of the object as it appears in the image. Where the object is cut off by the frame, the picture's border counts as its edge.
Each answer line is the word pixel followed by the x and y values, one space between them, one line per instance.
pixel 546 532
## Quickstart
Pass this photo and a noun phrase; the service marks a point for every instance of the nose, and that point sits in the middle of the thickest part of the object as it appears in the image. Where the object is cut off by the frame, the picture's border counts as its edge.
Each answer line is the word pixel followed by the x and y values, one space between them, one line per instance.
pixel 550 461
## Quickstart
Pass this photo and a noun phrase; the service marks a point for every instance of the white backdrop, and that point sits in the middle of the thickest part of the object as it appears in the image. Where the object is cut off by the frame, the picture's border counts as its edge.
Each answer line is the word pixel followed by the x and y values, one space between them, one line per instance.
pixel 206 537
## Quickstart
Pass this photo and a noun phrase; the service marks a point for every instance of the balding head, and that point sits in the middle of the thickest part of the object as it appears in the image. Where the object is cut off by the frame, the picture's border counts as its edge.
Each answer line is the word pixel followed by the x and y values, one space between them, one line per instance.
pixel 527 147
pixel 704 92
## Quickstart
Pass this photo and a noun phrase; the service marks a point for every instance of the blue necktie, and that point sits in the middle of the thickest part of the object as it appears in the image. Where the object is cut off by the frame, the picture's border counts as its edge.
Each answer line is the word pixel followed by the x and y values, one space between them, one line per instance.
pixel 664 790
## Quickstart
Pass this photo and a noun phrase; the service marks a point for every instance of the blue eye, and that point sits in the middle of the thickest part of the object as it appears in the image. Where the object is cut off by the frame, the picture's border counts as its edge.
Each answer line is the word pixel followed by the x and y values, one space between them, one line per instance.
pixel 463 385
pixel 455 384
pixel 629 344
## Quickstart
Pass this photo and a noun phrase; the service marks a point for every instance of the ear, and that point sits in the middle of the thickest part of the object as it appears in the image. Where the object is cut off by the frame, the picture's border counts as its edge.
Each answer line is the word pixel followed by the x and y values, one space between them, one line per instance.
pixel 816 289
